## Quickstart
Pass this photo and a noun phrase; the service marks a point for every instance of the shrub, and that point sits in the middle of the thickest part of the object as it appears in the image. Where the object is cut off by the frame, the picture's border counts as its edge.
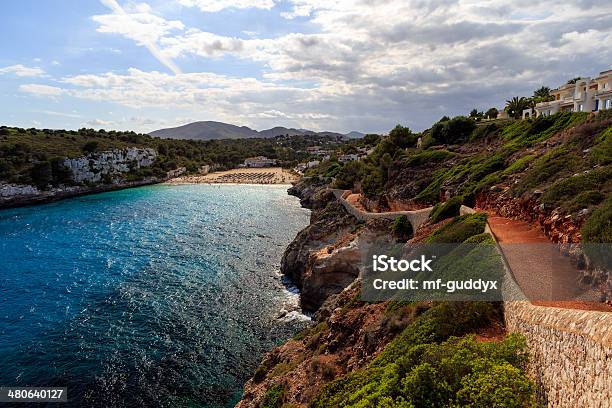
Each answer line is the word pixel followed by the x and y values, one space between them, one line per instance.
pixel 584 200
pixel 557 162
pixel 273 398
pixel 90 147
pixel 598 227
pixel 447 209
pixel 570 188
pixel 460 229
pixel 427 157
pixel 402 229
pixel 452 131
pixel 425 366
pixel 41 174
pixel 402 137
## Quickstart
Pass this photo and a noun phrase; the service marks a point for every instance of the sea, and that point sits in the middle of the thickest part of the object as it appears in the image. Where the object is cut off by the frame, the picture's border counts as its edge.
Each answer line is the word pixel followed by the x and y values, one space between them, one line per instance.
pixel 152 296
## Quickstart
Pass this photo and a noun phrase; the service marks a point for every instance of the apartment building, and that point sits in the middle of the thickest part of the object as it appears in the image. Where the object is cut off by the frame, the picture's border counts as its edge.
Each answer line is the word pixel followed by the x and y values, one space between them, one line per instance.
pixel 585 95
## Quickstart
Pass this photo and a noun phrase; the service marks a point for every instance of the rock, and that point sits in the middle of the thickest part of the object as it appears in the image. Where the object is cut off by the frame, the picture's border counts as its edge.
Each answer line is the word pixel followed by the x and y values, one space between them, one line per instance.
pixel 93 167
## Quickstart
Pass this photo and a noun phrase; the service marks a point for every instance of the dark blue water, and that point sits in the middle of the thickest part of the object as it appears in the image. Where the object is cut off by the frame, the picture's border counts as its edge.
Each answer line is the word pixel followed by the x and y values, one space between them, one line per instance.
pixel 155 296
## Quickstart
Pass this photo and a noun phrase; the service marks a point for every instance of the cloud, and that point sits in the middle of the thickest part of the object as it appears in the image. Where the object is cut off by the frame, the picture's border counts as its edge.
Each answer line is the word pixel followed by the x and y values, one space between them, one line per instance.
pixel 361 64
pixel 212 6
pixel 141 26
pixel 22 71
pixel 41 90
pixel 96 123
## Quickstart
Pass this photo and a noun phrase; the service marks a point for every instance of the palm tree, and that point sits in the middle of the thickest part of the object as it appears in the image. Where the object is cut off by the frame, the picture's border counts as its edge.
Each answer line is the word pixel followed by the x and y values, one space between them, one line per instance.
pixel 516 105
pixel 542 92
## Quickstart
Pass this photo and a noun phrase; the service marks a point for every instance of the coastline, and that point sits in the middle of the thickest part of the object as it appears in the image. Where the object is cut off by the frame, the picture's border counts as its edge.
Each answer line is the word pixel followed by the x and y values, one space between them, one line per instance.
pixel 46 197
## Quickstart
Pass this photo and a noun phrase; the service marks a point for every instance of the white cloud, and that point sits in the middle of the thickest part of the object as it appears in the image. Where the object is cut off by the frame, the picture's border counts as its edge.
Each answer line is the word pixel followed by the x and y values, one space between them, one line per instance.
pixel 141 26
pixel 363 64
pixel 22 71
pixel 212 6
pixel 41 90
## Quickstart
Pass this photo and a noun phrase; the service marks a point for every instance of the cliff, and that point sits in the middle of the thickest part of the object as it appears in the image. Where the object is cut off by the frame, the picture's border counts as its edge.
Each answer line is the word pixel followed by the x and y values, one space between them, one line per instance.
pixel 551 172
pixel 93 173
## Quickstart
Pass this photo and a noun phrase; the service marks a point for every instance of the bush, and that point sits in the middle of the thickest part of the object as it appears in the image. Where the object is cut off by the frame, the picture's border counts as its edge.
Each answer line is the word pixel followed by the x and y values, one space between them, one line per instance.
pixel 598 227
pixel 402 229
pixel 41 174
pixel 273 398
pixel 570 188
pixel 460 229
pixel 425 366
pixel 427 157
pixel 453 131
pixel 447 209
pixel 90 147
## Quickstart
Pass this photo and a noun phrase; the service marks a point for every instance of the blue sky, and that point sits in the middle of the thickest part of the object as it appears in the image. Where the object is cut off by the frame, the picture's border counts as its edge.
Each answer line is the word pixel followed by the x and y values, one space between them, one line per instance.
pixel 340 66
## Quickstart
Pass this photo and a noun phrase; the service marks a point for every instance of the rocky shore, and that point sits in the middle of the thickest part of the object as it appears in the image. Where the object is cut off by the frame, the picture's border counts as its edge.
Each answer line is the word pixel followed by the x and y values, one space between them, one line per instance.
pixel 15 195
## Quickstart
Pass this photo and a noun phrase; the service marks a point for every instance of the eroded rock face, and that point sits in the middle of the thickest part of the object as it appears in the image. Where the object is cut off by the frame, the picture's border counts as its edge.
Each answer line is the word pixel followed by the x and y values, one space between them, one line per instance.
pixel 348 334
pixel 310 272
pixel 93 167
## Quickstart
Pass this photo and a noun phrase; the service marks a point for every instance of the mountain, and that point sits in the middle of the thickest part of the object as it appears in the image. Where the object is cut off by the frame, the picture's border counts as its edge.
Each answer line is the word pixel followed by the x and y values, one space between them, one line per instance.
pixel 208 130
pixel 354 135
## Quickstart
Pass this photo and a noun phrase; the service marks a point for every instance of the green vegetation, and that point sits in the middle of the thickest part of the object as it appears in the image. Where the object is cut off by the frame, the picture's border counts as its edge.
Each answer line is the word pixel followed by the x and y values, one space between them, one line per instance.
pixel 451 131
pixel 426 365
pixel 427 157
pixel 273 398
pixel 402 229
pixel 447 209
pixel 459 229
pixel 598 228
pixel 27 155
pixel 579 191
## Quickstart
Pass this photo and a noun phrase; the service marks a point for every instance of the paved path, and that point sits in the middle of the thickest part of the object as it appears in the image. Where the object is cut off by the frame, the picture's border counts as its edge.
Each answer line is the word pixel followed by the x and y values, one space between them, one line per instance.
pixel 546 277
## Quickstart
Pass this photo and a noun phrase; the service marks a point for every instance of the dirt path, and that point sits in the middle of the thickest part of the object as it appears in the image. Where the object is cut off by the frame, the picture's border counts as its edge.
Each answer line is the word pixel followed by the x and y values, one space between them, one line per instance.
pixel 546 277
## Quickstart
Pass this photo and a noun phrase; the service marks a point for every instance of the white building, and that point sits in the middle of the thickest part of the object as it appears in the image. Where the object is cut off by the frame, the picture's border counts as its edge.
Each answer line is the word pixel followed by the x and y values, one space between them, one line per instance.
pixel 259 161
pixel 585 95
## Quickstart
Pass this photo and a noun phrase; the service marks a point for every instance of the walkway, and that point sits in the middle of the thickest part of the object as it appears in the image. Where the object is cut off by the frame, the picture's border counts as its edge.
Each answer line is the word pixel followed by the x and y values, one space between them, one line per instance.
pixel 545 276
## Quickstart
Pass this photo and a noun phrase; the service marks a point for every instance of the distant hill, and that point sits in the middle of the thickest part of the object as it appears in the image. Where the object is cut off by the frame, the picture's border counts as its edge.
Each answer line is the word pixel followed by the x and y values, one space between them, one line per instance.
pixel 208 130
pixel 354 135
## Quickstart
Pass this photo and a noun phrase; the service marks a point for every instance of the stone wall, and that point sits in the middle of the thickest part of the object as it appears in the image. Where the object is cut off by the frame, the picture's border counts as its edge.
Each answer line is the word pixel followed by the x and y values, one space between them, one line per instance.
pixel 570 350
pixel 416 218
pixel 570 353
pixel 93 167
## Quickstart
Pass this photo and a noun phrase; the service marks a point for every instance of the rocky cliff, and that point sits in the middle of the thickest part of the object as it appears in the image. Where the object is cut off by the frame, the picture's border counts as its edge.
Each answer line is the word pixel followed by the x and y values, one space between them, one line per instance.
pixel 94 173
pixel 93 167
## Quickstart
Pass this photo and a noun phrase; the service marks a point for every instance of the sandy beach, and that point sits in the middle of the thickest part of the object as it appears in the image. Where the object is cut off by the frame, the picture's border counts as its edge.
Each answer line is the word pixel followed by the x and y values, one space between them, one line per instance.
pixel 267 175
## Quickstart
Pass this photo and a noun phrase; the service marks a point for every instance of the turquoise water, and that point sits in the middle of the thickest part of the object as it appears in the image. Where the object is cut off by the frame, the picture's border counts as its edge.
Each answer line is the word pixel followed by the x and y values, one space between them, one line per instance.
pixel 161 295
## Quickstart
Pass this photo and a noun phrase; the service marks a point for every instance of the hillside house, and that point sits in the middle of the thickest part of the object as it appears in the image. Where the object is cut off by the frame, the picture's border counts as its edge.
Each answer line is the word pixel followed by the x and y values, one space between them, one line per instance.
pixel 585 95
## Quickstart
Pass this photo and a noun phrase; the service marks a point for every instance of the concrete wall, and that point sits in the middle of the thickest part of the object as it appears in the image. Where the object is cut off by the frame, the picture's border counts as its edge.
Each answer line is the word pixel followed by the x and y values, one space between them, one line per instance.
pixel 416 218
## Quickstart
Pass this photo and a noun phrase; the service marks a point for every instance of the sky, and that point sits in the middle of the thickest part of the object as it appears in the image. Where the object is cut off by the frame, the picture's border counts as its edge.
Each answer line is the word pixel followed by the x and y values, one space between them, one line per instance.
pixel 337 65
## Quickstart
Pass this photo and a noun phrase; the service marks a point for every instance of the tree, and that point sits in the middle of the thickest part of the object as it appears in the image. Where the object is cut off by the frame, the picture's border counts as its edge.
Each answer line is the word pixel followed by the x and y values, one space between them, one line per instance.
pixel 402 137
pixel 41 174
pixel 516 106
pixel 474 114
pixel 452 131
pixel 541 92
pixel 90 147
pixel 492 113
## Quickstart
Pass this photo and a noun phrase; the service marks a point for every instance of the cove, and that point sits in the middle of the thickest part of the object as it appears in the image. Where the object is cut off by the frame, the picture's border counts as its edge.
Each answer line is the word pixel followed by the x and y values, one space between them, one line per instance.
pixel 152 296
